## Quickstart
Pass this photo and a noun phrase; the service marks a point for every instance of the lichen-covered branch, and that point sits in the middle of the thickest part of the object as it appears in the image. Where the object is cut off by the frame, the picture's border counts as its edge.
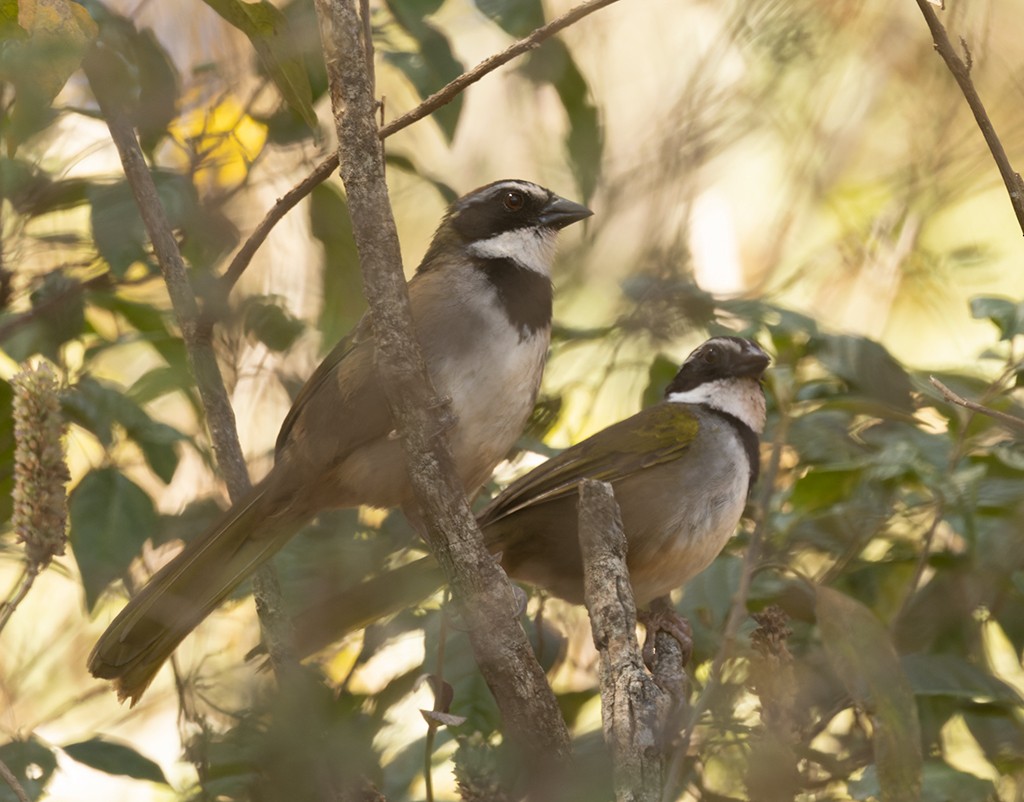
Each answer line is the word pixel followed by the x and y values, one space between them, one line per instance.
pixel 532 721
pixel 635 711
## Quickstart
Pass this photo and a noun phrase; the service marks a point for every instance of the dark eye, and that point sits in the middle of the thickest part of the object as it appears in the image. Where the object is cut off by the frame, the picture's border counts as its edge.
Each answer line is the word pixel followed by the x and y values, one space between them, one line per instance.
pixel 710 356
pixel 513 201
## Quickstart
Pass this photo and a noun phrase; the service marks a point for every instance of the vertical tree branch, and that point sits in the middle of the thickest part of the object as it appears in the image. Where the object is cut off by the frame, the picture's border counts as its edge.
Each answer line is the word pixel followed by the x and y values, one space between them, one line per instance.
pixel 480 589
pixel 220 417
pixel 634 710
pixel 962 74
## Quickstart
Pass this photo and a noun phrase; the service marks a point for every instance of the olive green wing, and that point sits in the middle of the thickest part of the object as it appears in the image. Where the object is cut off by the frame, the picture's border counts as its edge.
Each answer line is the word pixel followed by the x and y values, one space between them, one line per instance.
pixel 655 435
pixel 344 388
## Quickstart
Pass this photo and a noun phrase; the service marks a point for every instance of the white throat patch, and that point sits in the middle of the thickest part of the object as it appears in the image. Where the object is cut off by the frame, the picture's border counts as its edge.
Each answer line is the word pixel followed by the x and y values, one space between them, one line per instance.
pixel 742 398
pixel 532 248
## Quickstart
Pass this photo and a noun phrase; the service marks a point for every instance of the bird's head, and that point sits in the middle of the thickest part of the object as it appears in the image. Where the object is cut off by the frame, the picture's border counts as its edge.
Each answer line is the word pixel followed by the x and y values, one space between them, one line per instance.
pixel 507 220
pixel 724 373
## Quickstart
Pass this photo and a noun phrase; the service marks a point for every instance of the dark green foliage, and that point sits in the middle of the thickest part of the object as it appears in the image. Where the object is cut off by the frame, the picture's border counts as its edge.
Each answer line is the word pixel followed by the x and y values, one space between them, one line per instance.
pixel 32 763
pixel 888 534
pixel 342 282
pixel 433 64
pixel 115 758
pixel 111 517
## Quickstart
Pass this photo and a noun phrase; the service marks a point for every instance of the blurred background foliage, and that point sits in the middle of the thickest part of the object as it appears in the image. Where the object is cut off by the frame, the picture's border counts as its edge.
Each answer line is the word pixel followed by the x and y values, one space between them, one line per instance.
pixel 798 171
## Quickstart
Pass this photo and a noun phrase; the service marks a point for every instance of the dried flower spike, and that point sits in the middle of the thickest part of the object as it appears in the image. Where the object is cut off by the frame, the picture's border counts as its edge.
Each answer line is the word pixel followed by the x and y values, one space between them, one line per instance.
pixel 40 472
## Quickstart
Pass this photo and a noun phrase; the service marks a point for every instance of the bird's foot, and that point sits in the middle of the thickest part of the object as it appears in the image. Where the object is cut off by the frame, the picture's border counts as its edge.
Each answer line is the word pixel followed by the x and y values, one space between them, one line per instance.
pixel 662 617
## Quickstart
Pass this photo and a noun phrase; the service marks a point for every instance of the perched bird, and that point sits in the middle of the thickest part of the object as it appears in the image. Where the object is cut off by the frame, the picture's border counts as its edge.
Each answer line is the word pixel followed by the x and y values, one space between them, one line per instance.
pixel 481 307
pixel 681 471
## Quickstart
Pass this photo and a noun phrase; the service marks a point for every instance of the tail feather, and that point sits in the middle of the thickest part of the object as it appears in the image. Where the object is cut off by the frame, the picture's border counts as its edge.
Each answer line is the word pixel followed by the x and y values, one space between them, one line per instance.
pixel 186 590
pixel 353 608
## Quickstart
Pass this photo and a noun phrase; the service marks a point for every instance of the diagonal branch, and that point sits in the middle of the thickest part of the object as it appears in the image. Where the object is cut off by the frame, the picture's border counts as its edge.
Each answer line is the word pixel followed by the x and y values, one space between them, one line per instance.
pixel 532 720
pixel 1011 422
pixel 962 73
pixel 440 98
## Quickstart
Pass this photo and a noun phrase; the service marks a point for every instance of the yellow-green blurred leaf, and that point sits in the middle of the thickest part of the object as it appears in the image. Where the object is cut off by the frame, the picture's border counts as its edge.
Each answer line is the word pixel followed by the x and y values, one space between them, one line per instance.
pixel 861 654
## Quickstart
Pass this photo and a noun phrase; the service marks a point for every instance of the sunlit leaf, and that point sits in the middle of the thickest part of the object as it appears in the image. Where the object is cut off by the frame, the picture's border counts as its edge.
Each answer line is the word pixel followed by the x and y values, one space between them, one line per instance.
pixel 111 517
pixel 861 654
pixel 268 30
pixel 941 783
pixel 114 758
pixel 97 406
pixel 38 65
pixel 952 675
pixel 1000 734
pixel 1007 315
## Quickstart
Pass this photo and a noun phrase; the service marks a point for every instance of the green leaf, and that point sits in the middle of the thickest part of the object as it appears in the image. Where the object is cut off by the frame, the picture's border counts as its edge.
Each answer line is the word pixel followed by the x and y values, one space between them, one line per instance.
pixel 952 675
pixel 151 322
pixel 275 44
pixel 33 192
pixel 942 783
pixel 517 18
pixel 269 323
pixel 117 227
pixel 111 517
pixel 433 65
pixel 38 65
pixel 861 654
pixel 868 369
pixel 584 145
pixel 115 758
pixel 9 27
pixel 59 317
pixel 1006 315
pixel 97 406
pixel 999 733
pixel 342 281
pixel 659 376
pixel 406 165
pixel 32 765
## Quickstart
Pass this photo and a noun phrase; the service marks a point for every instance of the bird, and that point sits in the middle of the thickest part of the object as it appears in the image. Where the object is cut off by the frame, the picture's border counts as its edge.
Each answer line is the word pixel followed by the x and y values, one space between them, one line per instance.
pixel 681 471
pixel 481 303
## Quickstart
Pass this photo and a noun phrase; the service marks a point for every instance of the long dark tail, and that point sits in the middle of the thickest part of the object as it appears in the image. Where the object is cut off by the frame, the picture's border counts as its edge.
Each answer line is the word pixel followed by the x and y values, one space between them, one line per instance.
pixel 352 608
pixel 186 590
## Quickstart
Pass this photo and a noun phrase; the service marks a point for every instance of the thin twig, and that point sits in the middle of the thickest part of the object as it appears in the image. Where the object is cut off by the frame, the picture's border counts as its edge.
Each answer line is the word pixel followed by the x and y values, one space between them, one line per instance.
pixel 443 96
pixel 1011 422
pixel 8 777
pixel 28 576
pixel 962 73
